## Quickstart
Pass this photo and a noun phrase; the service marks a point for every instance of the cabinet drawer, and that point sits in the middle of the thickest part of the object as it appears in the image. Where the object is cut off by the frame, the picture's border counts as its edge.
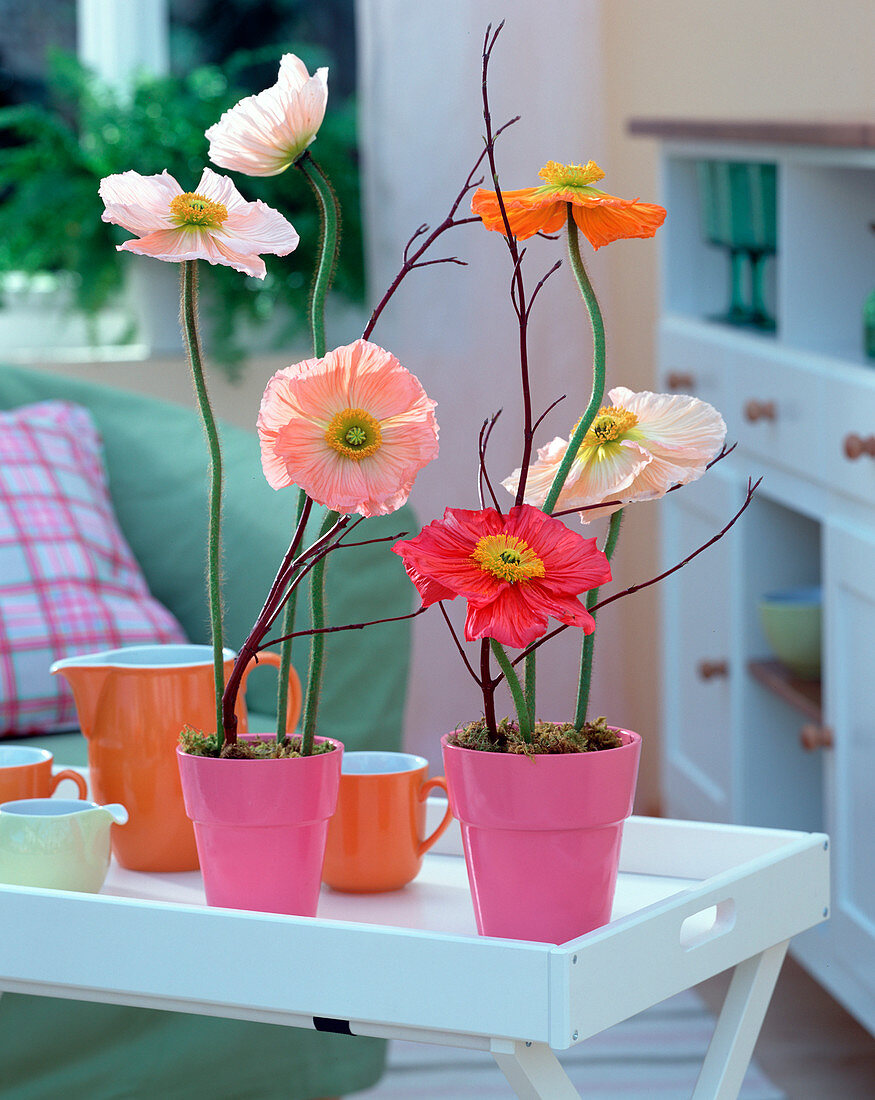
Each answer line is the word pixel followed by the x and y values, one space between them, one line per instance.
pixel 775 411
pixel 692 365
pixel 848 430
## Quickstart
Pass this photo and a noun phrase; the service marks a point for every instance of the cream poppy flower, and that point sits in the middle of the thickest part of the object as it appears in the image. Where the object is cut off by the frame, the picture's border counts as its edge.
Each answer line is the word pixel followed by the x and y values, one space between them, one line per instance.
pixel 213 223
pixel 264 134
pixel 637 448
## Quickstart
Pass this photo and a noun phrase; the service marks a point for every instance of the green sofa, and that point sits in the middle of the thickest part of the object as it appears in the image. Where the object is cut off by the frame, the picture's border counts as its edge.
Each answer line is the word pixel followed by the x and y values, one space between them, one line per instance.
pixel 156 460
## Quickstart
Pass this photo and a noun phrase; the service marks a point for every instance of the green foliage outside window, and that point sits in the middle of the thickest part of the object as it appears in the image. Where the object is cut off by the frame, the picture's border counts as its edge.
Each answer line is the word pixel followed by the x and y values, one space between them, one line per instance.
pixel 53 157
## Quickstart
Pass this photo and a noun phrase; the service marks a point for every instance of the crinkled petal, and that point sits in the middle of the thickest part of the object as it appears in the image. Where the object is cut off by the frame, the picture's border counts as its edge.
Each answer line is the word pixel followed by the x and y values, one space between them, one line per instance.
pixel 674 425
pixel 298 405
pixel 265 133
pixel 527 212
pixel 188 243
pixel 140 204
pixel 607 218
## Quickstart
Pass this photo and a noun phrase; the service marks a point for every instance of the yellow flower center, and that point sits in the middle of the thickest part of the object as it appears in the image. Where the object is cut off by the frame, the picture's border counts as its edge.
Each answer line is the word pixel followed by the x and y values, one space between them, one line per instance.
pixel 612 422
pixel 571 175
pixel 191 208
pixel 354 433
pixel 508 558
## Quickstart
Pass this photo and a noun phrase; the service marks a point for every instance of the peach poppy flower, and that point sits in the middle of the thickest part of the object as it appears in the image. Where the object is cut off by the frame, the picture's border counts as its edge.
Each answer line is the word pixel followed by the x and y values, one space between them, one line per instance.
pixel 600 217
pixel 515 571
pixel 263 134
pixel 352 429
pixel 213 223
pixel 637 448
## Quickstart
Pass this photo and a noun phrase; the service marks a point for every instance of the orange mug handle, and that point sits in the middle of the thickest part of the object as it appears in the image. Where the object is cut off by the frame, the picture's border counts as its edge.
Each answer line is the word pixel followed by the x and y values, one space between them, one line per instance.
pixel 78 779
pixel 438 781
pixel 295 694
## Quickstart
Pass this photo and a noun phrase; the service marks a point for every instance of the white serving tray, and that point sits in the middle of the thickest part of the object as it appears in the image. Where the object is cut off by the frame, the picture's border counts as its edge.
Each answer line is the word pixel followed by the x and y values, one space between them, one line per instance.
pixel 692 900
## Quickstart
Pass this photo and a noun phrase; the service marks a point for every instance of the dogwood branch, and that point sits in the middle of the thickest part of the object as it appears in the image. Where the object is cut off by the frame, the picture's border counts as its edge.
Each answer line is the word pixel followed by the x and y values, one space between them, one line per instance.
pixel 752 487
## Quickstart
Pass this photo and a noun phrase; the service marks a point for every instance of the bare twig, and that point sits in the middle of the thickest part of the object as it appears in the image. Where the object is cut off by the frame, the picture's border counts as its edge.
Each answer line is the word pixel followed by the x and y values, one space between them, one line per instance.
pixel 346 626
pixel 546 411
pixel 752 487
pixel 483 476
pixel 462 653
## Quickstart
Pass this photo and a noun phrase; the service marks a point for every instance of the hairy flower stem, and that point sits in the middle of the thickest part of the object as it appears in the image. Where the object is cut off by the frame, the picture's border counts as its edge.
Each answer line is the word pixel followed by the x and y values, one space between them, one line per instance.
pixel 598 365
pixel 188 318
pixel 317 649
pixel 524 715
pixel 584 682
pixel 329 217
pixel 595 401
pixel 282 694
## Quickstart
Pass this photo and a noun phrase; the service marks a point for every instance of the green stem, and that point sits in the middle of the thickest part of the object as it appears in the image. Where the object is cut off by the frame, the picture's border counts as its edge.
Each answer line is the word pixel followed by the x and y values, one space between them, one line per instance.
pixel 585 681
pixel 188 316
pixel 598 365
pixel 288 627
pixel 531 684
pixel 317 658
pixel 524 716
pixel 329 214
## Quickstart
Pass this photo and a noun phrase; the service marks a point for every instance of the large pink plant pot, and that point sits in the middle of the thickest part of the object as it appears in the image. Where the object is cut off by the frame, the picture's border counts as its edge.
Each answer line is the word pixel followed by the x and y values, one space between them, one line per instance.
pixel 260 827
pixel 542 836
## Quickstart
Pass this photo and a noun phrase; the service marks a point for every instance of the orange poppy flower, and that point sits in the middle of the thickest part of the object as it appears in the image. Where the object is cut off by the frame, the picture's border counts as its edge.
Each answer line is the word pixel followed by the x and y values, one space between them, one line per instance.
pixel 600 217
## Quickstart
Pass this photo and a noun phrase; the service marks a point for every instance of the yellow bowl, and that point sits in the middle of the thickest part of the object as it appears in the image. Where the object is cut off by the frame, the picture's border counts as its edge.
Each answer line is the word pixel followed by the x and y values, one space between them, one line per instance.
pixel 791 621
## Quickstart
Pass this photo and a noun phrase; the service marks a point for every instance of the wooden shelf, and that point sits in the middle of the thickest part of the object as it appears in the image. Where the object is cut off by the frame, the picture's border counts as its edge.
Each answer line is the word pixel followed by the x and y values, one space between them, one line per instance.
pixel 838 134
pixel 804 695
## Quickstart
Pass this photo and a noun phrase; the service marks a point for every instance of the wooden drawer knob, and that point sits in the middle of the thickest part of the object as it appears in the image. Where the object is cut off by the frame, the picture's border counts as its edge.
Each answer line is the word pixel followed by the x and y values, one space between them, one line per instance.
pixel 813 737
pixel 759 410
pixel 680 380
pixel 709 670
pixel 856 446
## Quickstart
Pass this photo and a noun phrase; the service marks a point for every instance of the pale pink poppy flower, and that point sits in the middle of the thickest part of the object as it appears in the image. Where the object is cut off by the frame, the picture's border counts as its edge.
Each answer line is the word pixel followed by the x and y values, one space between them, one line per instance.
pixel 263 134
pixel 213 223
pixel 352 429
pixel 638 447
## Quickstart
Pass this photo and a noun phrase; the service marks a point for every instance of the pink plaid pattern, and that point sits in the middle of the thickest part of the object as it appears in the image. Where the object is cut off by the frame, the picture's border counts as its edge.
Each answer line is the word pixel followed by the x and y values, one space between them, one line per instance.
pixel 69 582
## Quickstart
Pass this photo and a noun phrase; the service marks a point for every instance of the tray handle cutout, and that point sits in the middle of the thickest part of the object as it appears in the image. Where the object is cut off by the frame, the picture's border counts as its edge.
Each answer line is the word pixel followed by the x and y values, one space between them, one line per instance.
pixel 707 924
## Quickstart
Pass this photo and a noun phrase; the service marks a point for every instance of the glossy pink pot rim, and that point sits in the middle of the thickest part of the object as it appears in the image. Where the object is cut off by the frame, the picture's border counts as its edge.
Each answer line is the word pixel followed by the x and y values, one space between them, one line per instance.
pixel 294 790
pixel 561 791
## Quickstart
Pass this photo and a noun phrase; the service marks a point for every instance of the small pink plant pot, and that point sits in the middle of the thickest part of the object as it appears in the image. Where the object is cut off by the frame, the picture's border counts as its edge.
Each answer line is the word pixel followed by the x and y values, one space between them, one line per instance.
pixel 261 826
pixel 542 835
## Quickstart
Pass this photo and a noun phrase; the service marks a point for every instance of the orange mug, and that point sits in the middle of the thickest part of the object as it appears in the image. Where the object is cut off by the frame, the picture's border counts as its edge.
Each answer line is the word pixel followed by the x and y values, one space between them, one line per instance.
pixel 376 838
pixel 26 772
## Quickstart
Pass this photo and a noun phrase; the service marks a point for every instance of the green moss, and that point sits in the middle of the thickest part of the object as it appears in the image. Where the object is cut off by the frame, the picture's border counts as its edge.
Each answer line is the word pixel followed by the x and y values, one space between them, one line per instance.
pixel 195 743
pixel 547 737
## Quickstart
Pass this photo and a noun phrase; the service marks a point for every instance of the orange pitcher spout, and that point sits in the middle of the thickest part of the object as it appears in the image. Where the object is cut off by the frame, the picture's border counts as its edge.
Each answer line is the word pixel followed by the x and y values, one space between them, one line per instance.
pixel 87 677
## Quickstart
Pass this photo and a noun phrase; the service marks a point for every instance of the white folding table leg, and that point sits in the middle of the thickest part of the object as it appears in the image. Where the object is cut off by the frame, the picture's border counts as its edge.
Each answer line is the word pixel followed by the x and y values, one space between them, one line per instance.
pixel 738 1025
pixel 533 1071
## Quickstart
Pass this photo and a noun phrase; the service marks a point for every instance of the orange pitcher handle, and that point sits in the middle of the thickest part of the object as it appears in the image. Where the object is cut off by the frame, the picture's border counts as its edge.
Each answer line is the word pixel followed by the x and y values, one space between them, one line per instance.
pixel 78 779
pixel 295 693
pixel 438 781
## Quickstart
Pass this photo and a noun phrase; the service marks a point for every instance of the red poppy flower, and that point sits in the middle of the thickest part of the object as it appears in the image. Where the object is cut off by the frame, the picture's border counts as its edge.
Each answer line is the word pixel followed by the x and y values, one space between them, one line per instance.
pixel 600 217
pixel 515 571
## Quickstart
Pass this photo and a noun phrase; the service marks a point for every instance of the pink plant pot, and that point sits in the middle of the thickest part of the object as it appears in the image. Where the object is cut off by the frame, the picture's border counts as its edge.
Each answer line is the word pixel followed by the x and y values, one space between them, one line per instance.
pixel 542 836
pixel 260 827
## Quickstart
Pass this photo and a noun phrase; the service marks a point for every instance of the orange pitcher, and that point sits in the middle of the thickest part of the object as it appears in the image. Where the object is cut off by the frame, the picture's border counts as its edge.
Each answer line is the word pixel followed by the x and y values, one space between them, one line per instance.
pixel 132 704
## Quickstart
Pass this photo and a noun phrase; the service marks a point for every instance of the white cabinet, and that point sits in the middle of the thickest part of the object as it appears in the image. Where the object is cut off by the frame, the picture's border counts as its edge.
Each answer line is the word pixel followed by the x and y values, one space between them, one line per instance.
pixel 744 742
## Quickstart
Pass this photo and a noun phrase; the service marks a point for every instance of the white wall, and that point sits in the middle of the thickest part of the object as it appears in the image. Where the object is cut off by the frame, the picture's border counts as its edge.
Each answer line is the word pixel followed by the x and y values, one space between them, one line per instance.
pixel 453 326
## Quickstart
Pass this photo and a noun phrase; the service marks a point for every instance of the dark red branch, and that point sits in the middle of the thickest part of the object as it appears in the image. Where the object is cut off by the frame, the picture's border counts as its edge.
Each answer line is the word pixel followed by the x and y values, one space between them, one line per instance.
pixel 483 476
pixel 336 629
pixel 752 487
pixel 455 638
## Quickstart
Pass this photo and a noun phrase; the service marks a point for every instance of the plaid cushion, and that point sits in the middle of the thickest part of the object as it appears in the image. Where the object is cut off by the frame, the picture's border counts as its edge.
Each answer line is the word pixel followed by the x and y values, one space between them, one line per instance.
pixel 69 583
